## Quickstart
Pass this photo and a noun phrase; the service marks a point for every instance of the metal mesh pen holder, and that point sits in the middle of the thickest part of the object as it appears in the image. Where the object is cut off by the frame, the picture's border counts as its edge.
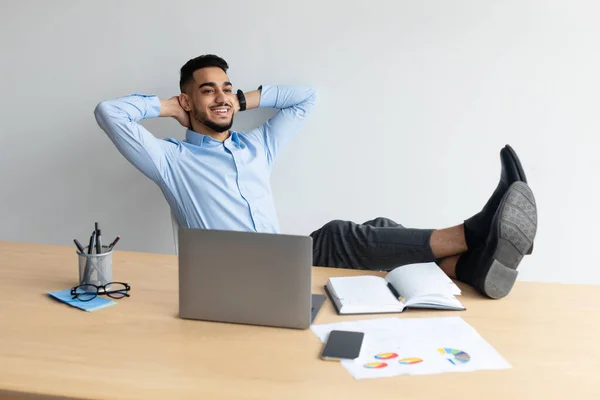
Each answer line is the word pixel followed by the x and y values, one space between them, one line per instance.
pixel 95 269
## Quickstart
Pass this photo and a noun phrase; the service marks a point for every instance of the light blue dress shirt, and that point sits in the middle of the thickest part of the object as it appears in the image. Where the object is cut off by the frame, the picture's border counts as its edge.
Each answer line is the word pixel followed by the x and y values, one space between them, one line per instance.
pixel 210 184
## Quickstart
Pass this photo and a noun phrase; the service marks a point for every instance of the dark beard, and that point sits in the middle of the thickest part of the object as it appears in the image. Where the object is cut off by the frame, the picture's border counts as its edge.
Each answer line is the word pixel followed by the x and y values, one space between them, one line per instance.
pixel 203 119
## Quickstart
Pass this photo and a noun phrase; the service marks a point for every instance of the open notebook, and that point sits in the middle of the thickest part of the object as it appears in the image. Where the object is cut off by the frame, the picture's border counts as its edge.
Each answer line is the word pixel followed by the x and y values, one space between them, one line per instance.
pixel 421 285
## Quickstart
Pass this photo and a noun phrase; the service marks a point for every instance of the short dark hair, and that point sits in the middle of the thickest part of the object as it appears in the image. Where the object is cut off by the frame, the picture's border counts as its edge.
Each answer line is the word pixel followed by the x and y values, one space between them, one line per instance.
pixel 204 61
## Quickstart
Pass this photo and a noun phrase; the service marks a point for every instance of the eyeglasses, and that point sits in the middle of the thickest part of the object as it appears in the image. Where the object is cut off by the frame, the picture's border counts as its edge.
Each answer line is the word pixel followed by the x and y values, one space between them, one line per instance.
pixel 87 292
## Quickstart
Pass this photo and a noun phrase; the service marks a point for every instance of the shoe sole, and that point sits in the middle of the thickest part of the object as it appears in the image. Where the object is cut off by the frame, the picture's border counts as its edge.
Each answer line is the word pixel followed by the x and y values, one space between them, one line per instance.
pixel 520 171
pixel 516 230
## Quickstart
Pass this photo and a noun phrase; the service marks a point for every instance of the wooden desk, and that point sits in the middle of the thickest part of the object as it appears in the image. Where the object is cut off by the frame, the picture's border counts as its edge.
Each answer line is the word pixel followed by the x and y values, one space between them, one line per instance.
pixel 139 349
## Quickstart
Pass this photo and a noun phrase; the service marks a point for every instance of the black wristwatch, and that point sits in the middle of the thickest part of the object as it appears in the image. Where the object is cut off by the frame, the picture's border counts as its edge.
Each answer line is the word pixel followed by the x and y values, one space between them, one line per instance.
pixel 241 99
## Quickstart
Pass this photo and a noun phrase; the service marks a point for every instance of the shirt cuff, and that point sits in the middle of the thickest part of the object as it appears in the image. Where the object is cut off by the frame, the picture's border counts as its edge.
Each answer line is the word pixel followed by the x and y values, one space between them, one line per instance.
pixel 268 96
pixel 151 105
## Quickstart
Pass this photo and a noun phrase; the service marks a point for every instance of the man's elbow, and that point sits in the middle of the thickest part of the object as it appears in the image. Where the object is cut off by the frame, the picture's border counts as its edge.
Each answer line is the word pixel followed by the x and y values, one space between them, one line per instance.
pixel 310 100
pixel 311 94
pixel 314 95
pixel 102 110
pixel 108 117
pixel 106 112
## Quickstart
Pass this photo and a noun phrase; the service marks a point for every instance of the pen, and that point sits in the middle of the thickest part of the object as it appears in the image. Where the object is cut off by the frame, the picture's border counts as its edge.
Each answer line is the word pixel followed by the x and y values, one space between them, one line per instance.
pixel 92 243
pixel 110 247
pixel 98 242
pixel 96 238
pixel 79 246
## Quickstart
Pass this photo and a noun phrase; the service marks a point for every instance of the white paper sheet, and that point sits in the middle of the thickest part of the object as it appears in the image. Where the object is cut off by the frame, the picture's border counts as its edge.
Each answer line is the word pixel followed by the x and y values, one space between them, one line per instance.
pixel 416 346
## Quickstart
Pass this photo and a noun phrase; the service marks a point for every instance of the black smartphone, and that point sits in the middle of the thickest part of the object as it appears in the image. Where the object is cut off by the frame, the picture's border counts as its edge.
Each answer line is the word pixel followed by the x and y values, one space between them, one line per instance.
pixel 342 345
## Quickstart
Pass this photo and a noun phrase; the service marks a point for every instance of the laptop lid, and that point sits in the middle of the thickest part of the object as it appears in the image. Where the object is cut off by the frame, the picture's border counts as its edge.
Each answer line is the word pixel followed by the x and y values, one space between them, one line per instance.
pixel 245 277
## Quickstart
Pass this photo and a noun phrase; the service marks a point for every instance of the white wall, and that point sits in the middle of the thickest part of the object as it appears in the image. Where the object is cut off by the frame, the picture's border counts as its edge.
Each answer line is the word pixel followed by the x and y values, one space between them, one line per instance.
pixel 416 98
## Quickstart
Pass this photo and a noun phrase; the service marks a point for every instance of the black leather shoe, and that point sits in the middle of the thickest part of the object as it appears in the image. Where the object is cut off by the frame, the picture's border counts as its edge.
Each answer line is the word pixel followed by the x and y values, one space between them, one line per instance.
pixel 477 227
pixel 511 235
pixel 512 154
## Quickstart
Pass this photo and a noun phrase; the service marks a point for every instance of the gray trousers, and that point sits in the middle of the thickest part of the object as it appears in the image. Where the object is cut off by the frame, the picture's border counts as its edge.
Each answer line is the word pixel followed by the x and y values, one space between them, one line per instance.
pixel 378 244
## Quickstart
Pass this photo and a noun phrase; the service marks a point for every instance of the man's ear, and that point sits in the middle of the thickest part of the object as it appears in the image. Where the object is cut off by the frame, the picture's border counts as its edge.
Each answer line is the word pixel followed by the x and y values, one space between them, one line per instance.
pixel 185 102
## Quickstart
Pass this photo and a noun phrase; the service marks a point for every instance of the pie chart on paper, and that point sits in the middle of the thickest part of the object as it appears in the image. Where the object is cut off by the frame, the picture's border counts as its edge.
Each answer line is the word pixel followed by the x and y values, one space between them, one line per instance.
pixel 455 356
pixel 410 361
pixel 375 365
pixel 386 356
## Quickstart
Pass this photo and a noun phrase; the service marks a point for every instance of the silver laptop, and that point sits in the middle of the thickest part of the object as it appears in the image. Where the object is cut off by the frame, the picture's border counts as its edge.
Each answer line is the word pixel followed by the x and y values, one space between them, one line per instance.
pixel 246 278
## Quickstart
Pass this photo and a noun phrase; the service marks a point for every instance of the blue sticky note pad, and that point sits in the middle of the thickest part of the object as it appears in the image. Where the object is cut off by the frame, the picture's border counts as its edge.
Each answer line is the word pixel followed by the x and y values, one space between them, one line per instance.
pixel 95 304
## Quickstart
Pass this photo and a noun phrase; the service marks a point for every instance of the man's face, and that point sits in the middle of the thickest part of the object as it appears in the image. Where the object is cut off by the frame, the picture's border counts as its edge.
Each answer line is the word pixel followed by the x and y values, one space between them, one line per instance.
pixel 212 99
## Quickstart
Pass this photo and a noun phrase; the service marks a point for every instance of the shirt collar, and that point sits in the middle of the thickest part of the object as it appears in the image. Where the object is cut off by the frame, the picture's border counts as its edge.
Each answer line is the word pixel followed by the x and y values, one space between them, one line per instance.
pixel 199 139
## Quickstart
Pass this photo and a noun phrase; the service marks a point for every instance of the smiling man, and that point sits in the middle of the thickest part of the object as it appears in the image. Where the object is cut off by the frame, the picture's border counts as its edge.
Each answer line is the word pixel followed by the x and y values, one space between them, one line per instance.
pixel 220 179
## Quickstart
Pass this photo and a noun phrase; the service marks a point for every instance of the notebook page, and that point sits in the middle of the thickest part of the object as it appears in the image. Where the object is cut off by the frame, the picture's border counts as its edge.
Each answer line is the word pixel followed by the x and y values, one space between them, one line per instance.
pixel 420 279
pixel 437 301
pixel 363 291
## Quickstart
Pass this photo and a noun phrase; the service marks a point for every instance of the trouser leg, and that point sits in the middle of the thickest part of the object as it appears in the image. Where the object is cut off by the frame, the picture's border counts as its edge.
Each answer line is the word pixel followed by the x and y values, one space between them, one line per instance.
pixel 379 244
